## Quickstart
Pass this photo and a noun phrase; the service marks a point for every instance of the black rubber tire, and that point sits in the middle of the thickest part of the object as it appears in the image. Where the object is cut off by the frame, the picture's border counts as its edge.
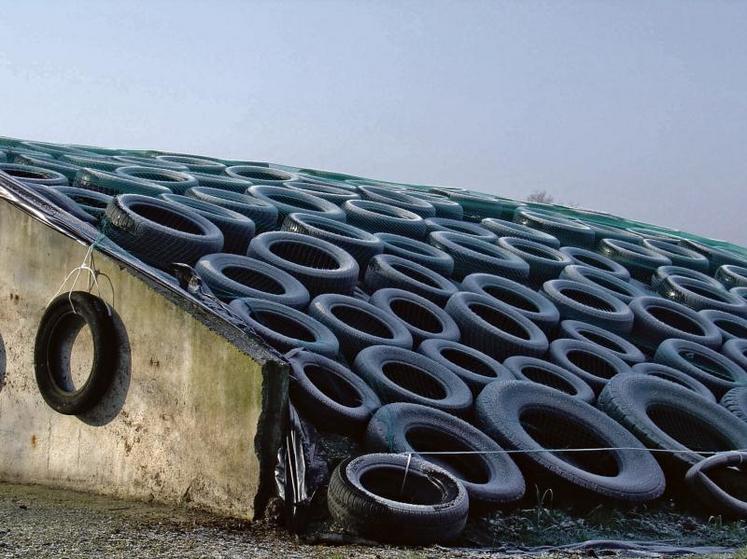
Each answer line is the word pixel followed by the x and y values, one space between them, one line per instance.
pixel 138 161
pixel 526 416
pixel 535 306
pixel 165 233
pixel 286 328
pixel 418 252
pixel 388 270
pixel 640 261
pixel 458 226
pixel 610 232
pixel 735 400
pixel 93 203
pixel 495 328
pixel 194 163
pixel 263 214
pixel 448 209
pixel 259 174
pixel 590 259
pixel 609 341
pixel 532 369
pixel 337 195
pixel 320 265
pixel 588 303
pixel 716 256
pixel 477 205
pixel 288 201
pixel 472 255
pixel 381 516
pixel 678 255
pixel 360 244
pixel 503 228
pixel 719 373
pixel 237 229
pixel 593 364
pixel 377 217
pixel 657 319
pixel 62 201
pixel 231 276
pixel 620 289
pixel 676 376
pixel 663 415
pixel 106 164
pixel 358 324
pixel 67 169
pixel 111 184
pixel 475 368
pixel 708 491
pixel 399 375
pixel 490 476
pixel 398 199
pixel 700 296
pixel 732 276
pixel 176 181
pixel 739 292
pixel 221 182
pixel 423 318
pixel 545 263
pixel 568 232
pixel 730 326
pixel 658 234
pixel 661 273
pixel 33 175
pixel 330 395
pixel 59 325
pixel 736 350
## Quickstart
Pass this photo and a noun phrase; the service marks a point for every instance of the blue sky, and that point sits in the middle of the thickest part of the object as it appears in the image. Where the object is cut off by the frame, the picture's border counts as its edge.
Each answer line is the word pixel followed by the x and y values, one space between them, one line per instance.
pixel 639 108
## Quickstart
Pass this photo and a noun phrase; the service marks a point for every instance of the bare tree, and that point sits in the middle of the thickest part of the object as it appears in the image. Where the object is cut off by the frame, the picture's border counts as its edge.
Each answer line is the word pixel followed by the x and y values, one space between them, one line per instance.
pixel 541 196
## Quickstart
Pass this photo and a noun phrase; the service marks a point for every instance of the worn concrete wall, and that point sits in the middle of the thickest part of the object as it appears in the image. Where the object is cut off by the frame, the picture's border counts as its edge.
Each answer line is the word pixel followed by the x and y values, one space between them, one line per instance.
pixel 190 422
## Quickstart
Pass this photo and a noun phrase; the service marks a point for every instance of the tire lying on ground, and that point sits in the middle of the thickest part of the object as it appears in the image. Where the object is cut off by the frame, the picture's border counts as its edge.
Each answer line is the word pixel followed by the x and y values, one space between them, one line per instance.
pixel 222 182
pixel 735 400
pixel 698 295
pixel 159 232
pixel 111 184
pixel 716 256
pixel 621 289
pixel 387 270
pixel 400 375
pixel 594 260
pixel 477 205
pixel 529 417
pixel 263 214
pixel 138 161
pixel 678 255
pixel 194 163
pixel 491 478
pixel 567 232
pixel 289 201
pixel 578 301
pixel 545 263
pixel 730 326
pixel 93 203
pixel 608 232
pixel 34 175
pixel 444 207
pixel 62 201
pixel 503 228
pixel 330 395
pixel 360 244
pixel 418 252
pixel 533 305
pixel 713 369
pixel 736 350
pixel 175 181
pixel 657 319
pixel 721 502
pixel 665 416
pixel 605 339
pixel 640 261
pixel 334 194
pixel 495 328
pixel 458 226
pixel 423 318
pixel 367 497
pixel 320 265
pixel 475 368
pixel 259 175
pixel 536 370
pixel 676 376
pixel 358 324
pixel 732 276
pixel 237 229
pixel 377 217
pixel 590 362
pixel 397 199
pixel 285 328
pixel 662 272
pixel 472 255
pixel 230 276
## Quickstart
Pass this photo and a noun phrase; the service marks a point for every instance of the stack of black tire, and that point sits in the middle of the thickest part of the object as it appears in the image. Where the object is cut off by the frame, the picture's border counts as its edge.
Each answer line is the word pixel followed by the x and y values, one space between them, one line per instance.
pixel 473 345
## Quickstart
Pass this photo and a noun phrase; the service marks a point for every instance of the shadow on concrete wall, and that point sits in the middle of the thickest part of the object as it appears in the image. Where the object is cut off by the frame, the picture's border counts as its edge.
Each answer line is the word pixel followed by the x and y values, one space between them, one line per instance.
pixel 3 362
pixel 113 401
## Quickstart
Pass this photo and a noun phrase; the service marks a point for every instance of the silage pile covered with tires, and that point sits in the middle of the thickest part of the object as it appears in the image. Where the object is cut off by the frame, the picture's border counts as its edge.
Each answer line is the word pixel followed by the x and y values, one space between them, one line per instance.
pixel 471 347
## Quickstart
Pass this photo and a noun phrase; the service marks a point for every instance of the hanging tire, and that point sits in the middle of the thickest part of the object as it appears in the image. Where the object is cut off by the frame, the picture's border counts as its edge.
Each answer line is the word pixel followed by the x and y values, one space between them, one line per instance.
pixel 579 301
pixel 567 232
pixel 417 251
pixel 330 395
pixel 676 376
pixel 61 322
pixel 358 324
pixel 423 318
pixel 678 255
pixel 387 270
pixel 472 255
pixel 503 228
pixel 288 201
pixel 475 368
pixel 230 276
pixel 377 217
pixel 489 476
pixel 732 276
pixel 495 328
pixel 590 259
pixel 528 417
pixel 609 341
pixel 533 305
pixel 699 296
pixel 285 328
pixel 640 261
pixel 532 369
pixel 715 370
pixel 366 496
pixel 263 214
pixel 592 364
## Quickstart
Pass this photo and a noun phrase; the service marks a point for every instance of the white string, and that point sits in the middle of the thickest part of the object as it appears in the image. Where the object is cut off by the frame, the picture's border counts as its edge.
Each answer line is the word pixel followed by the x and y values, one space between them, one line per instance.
pixel 92 278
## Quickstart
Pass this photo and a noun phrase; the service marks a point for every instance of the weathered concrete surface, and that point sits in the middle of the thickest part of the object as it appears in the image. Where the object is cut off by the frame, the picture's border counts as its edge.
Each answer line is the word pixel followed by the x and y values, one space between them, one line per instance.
pixel 180 427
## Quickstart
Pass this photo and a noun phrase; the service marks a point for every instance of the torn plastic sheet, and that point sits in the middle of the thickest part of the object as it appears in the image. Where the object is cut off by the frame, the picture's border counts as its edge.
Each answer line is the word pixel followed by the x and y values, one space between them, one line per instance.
pixel 630 548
